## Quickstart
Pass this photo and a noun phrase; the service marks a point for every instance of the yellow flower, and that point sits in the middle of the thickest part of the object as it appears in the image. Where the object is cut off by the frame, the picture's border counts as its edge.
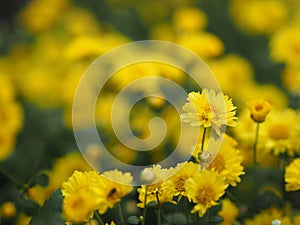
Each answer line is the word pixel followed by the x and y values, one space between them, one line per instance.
pixel 258 17
pixel 111 223
pixel 80 200
pixel 205 45
pixel 291 176
pixel 189 19
pixel 280 132
pixel 109 193
pixel 291 79
pixel 160 187
pixel 285 44
pixel 228 161
pixel 229 212
pixel 205 189
pixel 267 216
pixel 8 210
pixel 185 171
pixel 209 109
pixel 79 206
pixel 259 109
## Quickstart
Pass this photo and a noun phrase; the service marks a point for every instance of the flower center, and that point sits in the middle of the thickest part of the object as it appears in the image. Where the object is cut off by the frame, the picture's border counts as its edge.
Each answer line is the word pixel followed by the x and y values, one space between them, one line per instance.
pixel 113 194
pixel 279 131
pixel 179 184
pixel 218 163
pixel 205 195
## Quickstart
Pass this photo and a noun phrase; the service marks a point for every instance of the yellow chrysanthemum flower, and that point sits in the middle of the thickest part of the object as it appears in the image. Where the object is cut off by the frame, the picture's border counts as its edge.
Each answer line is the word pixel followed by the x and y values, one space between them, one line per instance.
pixel 229 212
pixel 109 193
pixel 267 216
pixel 205 45
pixel 8 210
pixel 209 109
pixel 80 200
pixel 189 19
pixel 205 189
pixel 185 171
pixel 284 44
pixel 259 109
pixel 228 161
pixel 258 17
pixel 291 79
pixel 291 176
pixel 280 132
pixel 161 187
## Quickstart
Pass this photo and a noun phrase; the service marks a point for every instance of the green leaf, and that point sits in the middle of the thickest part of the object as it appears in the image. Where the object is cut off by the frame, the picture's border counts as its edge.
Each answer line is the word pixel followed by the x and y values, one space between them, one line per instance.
pixel 29 206
pixel 151 204
pixel 133 220
pixel 42 179
pixel 51 212
pixel 215 220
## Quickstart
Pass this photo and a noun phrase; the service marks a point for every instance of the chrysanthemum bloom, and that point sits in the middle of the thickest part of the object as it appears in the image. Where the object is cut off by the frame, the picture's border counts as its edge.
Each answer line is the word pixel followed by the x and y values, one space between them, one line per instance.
pixel 259 109
pixel 160 187
pixel 229 212
pixel 205 189
pixel 209 109
pixel 291 176
pixel 109 193
pixel 185 171
pixel 267 216
pixel 228 161
pixel 280 132
pixel 79 198
pixel 8 210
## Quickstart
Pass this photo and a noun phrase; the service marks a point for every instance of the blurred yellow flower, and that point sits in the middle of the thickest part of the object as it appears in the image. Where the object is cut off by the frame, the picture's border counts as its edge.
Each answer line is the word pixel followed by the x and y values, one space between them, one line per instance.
pixel 291 79
pixel 205 189
pixel 109 192
pixel 258 17
pixel 189 19
pixel 229 212
pixel 205 45
pixel 259 109
pixel 209 109
pixel 284 44
pixel 267 216
pixel 291 176
pixel 8 210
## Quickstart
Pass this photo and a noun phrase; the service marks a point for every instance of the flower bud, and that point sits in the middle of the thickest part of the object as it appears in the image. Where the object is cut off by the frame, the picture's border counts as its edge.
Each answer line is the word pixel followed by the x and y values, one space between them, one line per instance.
pixel 259 109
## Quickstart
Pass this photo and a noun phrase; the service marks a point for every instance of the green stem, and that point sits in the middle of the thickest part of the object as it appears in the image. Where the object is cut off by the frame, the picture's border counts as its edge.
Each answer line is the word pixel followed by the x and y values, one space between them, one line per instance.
pixel 99 218
pixel 206 217
pixel 202 148
pixel 187 211
pixel 255 144
pixel 158 211
pixel 120 213
pixel 145 206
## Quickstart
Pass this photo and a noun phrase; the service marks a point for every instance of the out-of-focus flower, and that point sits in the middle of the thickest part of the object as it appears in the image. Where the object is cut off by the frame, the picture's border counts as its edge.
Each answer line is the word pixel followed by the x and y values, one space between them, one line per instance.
pixel 259 109
pixel 186 19
pixel 229 212
pixel 111 223
pixel 267 216
pixel 79 197
pixel 205 45
pixel 209 109
pixel 284 44
pixel 205 189
pixel 280 132
pixel 8 210
pixel 184 171
pixel 258 17
pixel 109 193
pixel 291 79
pixel 160 188
pixel 291 176
pixel 228 161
